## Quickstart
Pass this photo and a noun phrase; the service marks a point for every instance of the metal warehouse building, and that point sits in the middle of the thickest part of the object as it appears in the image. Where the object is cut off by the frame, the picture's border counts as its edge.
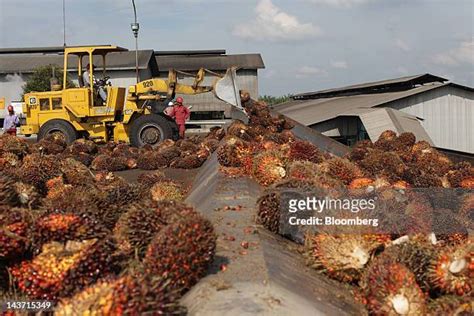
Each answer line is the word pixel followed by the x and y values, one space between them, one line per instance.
pixel 429 106
pixel 16 65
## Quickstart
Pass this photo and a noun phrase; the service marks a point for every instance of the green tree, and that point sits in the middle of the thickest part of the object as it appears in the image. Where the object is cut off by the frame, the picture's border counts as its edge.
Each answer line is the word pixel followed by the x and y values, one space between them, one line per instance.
pixel 272 100
pixel 40 79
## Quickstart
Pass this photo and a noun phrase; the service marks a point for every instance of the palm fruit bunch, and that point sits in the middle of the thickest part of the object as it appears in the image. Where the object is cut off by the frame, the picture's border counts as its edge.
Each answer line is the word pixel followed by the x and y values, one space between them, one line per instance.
pixel 37 169
pixel 61 269
pixel 459 173
pixel 383 164
pixel 14 193
pixel 210 144
pixel 173 211
pixel 447 228
pixel 191 161
pixel 391 289
pixel 452 270
pixel 76 173
pixel 15 232
pixel 420 179
pixel 8 161
pixel 134 293
pixel 182 252
pixel 342 169
pixel 386 141
pixel 50 145
pixel 151 160
pixel 304 170
pixel 433 163
pixel 343 257
pixel 466 211
pixel 404 143
pixel 61 227
pixel 360 150
pixel 105 162
pixel 136 227
pixel 269 167
pixel 451 305
pixel 14 145
pixel 167 190
pixel 148 179
pixel 416 254
pixel 305 151
pixel 233 151
pixel 238 129
pixel 268 213
pixel 82 145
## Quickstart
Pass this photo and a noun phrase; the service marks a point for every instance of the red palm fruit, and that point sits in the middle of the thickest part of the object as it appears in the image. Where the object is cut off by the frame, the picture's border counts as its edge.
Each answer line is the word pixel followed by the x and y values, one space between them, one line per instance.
pixel 60 270
pixel 342 257
pixel 239 129
pixel 76 173
pixel 306 151
pixel 421 146
pixel 383 164
pixel 451 305
pixel 400 185
pixel 15 232
pixel 187 162
pixel 467 183
pixel 341 169
pixel 391 289
pixel 452 270
pixel 360 150
pixel 361 183
pixel 268 167
pixel 210 144
pixel 131 294
pixel 182 252
pixel 388 134
pixel 405 141
pixel 447 228
pixel 9 160
pixel 82 146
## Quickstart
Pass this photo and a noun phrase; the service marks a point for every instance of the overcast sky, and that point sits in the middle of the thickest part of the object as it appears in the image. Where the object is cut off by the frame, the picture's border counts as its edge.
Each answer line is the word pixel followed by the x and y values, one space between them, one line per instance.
pixel 306 45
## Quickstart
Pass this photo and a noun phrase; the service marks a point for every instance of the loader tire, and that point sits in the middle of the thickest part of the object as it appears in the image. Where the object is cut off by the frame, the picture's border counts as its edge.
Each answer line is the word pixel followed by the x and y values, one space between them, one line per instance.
pixel 149 129
pixel 61 127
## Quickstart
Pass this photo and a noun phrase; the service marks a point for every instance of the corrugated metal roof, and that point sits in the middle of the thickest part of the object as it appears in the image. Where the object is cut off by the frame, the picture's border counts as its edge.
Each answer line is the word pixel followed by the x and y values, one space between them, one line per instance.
pixel 211 62
pixel 309 112
pixel 115 61
pixel 374 87
pixel 26 63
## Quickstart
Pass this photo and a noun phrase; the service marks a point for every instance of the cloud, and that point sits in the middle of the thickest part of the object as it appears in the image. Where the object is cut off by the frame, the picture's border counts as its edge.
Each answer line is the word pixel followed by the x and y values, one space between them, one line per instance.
pixel 273 24
pixel 402 70
pixel 341 64
pixel 463 54
pixel 308 71
pixel 341 3
pixel 402 45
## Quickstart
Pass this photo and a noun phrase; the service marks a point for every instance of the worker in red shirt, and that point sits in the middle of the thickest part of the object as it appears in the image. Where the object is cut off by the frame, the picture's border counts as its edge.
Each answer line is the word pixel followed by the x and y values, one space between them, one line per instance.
pixel 181 114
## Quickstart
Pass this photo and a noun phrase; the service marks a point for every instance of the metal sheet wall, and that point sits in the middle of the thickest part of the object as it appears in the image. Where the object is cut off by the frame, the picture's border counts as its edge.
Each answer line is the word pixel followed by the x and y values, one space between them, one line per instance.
pixel 448 116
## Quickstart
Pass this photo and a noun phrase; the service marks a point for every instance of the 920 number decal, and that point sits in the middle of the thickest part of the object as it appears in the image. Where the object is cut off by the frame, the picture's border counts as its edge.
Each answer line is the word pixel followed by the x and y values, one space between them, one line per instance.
pixel 148 84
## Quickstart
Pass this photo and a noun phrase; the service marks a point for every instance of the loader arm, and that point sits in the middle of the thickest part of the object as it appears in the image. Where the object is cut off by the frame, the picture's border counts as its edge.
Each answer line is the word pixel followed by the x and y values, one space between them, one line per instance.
pixel 161 90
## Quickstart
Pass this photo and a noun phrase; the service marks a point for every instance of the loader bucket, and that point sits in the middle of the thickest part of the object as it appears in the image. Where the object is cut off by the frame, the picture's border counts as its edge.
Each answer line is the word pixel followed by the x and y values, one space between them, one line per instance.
pixel 227 90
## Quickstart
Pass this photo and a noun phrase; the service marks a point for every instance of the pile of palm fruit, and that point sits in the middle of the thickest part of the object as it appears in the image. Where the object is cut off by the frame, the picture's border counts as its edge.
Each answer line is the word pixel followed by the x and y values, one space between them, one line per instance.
pixel 420 263
pixel 189 153
pixel 93 243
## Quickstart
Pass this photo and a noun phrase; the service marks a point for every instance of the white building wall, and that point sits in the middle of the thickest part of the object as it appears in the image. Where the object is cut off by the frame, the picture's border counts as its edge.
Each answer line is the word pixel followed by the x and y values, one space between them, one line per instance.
pixel 448 116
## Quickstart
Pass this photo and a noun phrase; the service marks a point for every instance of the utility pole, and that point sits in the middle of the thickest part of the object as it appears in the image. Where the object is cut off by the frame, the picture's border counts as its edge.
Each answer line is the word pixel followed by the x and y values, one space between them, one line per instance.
pixel 135 27
pixel 64 22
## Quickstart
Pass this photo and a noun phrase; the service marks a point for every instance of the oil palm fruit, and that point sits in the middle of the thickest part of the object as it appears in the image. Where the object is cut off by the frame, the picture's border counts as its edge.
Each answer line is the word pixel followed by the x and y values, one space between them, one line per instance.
pixel 167 190
pixel 343 257
pixel 182 252
pixel 269 167
pixel 452 269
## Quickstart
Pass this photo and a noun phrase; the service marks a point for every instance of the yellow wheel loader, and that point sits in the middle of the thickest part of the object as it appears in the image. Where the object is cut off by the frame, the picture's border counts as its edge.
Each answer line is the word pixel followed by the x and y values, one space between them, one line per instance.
pixel 102 112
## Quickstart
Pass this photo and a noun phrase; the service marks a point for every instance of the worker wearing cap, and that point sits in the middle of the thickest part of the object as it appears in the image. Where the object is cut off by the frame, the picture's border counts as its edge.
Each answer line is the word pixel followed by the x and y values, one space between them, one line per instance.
pixel 181 114
pixel 10 122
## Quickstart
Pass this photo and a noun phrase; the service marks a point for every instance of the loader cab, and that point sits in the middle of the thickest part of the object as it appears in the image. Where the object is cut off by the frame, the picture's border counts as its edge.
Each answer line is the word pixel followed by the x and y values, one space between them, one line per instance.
pixel 86 101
